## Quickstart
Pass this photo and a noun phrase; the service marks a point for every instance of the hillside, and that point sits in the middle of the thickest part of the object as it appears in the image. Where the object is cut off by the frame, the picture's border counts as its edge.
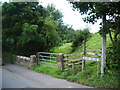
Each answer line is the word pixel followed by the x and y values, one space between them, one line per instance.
pixel 95 42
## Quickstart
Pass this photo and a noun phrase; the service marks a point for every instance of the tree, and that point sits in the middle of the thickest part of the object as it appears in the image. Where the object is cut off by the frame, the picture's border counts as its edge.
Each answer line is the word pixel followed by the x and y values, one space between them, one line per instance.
pixel 55 14
pixel 14 15
pixel 50 32
pixel 28 28
pixel 97 10
pixel 102 10
pixel 80 36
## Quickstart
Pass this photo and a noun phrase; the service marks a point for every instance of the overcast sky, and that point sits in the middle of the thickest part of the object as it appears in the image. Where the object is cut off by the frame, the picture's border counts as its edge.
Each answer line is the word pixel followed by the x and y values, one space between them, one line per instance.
pixel 71 17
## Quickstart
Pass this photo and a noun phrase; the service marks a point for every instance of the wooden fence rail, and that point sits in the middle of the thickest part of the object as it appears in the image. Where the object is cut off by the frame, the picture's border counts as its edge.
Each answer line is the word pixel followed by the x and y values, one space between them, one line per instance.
pixel 65 55
pixel 93 50
pixel 89 53
pixel 47 53
pixel 47 59
pixel 66 61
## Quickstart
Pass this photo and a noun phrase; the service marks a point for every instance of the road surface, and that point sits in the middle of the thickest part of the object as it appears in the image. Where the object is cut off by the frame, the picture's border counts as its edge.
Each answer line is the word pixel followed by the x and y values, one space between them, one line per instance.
pixel 14 76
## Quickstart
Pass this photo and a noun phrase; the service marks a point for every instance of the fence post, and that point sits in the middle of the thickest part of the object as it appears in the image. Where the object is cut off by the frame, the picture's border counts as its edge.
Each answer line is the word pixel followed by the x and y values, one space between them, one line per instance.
pixel 37 57
pixel 73 65
pixel 103 58
pixel 0 61
pixel 60 58
pixel 33 60
pixel 84 50
pixel 83 64
pixel 84 47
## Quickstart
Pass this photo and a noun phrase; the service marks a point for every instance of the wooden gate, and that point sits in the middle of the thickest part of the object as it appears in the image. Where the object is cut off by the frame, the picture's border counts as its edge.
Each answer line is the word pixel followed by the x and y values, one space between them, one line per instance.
pixel 92 55
pixel 47 59
pixel 72 60
pixel 67 61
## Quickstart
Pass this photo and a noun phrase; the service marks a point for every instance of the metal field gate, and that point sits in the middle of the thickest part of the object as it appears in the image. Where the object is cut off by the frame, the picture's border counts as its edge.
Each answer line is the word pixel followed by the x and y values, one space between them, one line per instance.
pixel 47 59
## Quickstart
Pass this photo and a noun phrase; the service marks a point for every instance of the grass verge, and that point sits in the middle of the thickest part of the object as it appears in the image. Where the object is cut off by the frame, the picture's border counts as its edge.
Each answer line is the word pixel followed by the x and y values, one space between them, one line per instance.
pixel 88 77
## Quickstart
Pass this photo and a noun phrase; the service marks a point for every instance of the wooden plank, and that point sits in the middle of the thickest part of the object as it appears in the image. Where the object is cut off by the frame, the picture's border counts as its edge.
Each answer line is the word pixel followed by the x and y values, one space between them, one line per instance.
pixel 69 65
pixel 79 62
pixel 48 60
pixel 93 50
pixel 46 56
pixel 72 58
pixel 75 61
pixel 97 54
pixel 47 53
pixel 80 65
pixel 65 69
pixel 91 58
pixel 65 55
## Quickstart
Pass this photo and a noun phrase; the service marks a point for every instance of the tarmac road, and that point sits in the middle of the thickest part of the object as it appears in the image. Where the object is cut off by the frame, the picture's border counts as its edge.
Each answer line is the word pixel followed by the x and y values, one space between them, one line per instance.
pixel 14 76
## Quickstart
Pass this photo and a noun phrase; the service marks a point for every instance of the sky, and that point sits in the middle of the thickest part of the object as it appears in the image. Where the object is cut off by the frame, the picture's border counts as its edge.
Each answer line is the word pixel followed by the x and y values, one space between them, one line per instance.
pixel 70 17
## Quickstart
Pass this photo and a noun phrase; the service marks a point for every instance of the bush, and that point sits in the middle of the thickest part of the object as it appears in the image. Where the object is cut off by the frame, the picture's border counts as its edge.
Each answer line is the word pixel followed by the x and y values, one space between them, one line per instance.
pixel 81 35
pixel 113 58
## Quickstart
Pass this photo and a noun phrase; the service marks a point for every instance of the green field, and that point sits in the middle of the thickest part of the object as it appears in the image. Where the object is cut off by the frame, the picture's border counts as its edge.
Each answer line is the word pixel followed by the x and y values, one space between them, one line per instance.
pixel 65 48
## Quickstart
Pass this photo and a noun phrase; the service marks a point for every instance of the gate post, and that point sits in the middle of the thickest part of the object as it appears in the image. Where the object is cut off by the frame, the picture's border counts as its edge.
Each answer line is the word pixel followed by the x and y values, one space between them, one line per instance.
pixel 84 50
pixel 103 57
pixel 84 47
pixel 60 58
pixel 33 60
pixel 37 57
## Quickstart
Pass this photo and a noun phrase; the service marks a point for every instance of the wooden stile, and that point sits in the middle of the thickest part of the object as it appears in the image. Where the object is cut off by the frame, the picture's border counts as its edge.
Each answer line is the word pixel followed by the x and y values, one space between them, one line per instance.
pixel 48 60
pixel 93 50
pixel 97 54
pixel 65 55
pixel 47 53
pixel 79 58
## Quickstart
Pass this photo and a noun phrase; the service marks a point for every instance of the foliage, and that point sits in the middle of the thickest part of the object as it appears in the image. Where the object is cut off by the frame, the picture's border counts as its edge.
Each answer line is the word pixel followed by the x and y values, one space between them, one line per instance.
pixel 113 56
pixel 29 41
pixel 16 24
pixel 66 33
pixel 29 28
pixel 101 10
pixel 81 35
pixel 56 15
